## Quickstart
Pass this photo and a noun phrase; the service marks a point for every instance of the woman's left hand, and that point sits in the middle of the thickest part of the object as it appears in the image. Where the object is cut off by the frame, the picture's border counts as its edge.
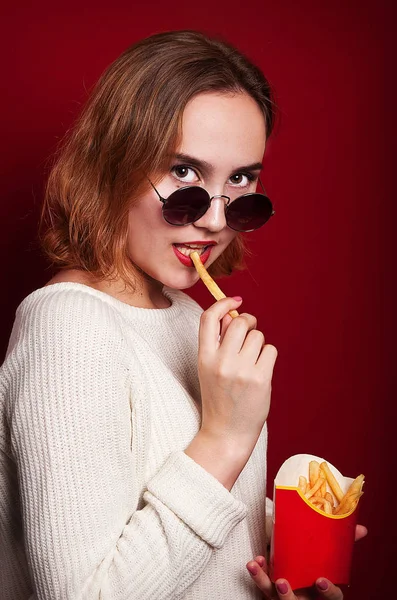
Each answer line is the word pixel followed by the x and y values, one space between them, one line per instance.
pixel 281 590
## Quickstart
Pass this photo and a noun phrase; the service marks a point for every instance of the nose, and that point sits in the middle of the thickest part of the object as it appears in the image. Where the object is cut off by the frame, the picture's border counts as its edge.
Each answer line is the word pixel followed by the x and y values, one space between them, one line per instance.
pixel 214 219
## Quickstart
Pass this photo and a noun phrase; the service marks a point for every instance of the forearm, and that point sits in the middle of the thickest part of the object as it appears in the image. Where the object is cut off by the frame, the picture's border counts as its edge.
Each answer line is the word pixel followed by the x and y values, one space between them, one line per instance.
pixel 157 552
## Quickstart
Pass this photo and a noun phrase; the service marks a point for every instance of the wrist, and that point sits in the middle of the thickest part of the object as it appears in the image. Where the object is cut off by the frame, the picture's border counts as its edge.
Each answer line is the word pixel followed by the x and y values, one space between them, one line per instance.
pixel 220 455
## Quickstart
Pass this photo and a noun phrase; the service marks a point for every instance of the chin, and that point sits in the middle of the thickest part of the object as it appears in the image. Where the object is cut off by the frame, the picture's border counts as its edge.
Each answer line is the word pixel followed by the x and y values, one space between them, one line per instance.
pixel 181 281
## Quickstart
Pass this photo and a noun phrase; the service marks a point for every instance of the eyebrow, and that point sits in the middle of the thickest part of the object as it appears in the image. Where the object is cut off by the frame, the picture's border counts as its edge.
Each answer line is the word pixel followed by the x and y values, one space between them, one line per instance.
pixel 206 167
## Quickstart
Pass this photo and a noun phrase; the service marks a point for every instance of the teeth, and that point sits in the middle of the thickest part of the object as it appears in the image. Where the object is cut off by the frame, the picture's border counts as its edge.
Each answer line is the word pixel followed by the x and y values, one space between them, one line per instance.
pixel 187 250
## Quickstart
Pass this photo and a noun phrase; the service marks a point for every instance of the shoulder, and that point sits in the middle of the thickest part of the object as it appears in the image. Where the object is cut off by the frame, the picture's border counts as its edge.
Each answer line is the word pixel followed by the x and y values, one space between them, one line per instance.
pixel 59 302
pixel 64 313
pixel 71 276
pixel 65 340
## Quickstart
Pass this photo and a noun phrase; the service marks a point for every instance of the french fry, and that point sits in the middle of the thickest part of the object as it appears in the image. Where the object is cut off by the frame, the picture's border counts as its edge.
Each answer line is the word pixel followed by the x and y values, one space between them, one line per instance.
pixel 210 284
pixel 314 472
pixel 333 484
pixel 350 499
pixel 348 503
pixel 314 489
pixel 325 505
pixel 356 486
pixel 323 489
pixel 302 484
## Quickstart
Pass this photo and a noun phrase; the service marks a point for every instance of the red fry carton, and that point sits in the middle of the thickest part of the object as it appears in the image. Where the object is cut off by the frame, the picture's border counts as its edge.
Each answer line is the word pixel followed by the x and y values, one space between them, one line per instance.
pixel 306 542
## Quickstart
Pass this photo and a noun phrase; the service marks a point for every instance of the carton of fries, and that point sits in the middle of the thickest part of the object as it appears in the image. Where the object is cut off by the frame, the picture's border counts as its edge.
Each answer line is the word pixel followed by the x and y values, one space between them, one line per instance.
pixel 314 520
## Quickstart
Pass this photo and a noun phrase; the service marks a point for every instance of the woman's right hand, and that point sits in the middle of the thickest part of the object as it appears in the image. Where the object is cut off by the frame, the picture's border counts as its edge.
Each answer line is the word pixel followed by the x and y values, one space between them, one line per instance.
pixel 235 371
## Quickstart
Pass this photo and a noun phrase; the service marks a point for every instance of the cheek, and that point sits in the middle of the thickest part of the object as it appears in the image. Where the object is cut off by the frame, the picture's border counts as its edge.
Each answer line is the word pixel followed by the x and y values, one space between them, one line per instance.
pixel 145 221
pixel 228 236
pixel 138 239
pixel 146 212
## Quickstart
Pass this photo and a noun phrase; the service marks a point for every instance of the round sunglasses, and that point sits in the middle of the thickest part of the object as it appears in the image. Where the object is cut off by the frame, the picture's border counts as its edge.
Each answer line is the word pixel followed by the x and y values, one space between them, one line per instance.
pixel 188 204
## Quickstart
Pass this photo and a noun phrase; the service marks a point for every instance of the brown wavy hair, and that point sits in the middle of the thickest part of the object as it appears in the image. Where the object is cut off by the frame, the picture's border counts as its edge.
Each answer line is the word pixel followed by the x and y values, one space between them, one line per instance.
pixel 129 127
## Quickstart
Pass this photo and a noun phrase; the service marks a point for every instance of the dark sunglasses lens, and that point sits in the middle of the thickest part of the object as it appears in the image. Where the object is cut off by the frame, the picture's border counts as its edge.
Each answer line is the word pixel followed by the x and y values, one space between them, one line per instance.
pixel 249 212
pixel 186 205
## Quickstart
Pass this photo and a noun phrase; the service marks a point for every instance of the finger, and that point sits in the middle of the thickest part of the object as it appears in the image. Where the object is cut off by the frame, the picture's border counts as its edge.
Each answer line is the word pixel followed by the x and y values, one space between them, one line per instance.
pixel 267 359
pixel 361 532
pixel 261 560
pixel 224 325
pixel 252 346
pixel 261 579
pixel 237 332
pixel 328 590
pixel 210 322
pixel 284 590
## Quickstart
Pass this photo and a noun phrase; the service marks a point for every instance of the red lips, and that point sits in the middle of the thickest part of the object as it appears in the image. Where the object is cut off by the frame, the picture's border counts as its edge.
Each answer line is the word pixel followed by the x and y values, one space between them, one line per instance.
pixel 186 260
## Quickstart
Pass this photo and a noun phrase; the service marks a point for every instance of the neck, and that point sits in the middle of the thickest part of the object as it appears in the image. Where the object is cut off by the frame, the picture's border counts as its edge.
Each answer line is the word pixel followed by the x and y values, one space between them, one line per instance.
pixel 147 292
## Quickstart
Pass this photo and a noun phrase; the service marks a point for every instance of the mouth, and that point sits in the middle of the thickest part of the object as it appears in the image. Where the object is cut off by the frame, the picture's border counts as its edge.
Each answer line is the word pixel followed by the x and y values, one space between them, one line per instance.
pixel 183 252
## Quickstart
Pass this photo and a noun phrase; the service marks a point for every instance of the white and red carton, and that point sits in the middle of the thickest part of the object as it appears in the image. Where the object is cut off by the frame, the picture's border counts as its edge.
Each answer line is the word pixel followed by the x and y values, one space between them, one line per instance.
pixel 306 542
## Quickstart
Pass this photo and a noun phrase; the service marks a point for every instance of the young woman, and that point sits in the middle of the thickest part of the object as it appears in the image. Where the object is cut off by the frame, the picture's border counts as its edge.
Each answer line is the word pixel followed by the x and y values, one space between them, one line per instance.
pixel 133 425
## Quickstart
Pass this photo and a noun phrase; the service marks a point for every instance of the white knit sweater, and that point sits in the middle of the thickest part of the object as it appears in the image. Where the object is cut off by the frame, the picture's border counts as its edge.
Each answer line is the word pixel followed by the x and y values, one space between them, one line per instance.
pixel 98 500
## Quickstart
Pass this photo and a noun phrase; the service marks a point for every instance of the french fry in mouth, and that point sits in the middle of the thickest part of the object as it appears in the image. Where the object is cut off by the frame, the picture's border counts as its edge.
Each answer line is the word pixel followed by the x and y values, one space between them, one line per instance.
pixel 210 284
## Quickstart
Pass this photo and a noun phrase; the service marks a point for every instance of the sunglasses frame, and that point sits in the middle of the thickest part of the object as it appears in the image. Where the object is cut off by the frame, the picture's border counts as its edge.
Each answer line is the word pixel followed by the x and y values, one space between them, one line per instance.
pixel 210 198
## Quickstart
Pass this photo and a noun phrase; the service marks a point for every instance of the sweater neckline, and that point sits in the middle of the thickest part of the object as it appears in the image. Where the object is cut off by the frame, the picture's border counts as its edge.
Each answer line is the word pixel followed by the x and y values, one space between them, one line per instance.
pixel 148 315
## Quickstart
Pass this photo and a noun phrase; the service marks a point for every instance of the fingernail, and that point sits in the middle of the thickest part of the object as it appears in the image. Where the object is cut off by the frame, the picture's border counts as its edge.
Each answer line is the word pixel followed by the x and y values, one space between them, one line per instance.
pixel 252 569
pixel 237 298
pixel 282 588
pixel 322 584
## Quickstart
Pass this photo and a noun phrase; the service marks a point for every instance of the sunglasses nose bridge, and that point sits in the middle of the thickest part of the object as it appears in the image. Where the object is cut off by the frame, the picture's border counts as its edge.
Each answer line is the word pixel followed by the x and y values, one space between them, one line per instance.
pixel 214 218
pixel 220 196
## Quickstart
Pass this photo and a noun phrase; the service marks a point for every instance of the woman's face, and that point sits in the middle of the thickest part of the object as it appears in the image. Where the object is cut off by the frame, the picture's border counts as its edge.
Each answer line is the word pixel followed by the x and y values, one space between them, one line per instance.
pixel 223 141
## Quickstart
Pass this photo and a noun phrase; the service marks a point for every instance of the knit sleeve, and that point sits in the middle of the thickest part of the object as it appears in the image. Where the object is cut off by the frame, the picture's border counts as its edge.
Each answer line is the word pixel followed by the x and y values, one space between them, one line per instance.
pixel 269 519
pixel 89 534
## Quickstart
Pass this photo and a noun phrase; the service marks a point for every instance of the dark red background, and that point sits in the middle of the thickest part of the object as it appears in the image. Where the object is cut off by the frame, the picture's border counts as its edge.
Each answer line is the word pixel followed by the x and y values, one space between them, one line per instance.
pixel 317 277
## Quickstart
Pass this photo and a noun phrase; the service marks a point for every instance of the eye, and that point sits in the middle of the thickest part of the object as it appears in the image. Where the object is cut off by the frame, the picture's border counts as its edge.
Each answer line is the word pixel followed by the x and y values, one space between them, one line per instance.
pixel 184 173
pixel 242 180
